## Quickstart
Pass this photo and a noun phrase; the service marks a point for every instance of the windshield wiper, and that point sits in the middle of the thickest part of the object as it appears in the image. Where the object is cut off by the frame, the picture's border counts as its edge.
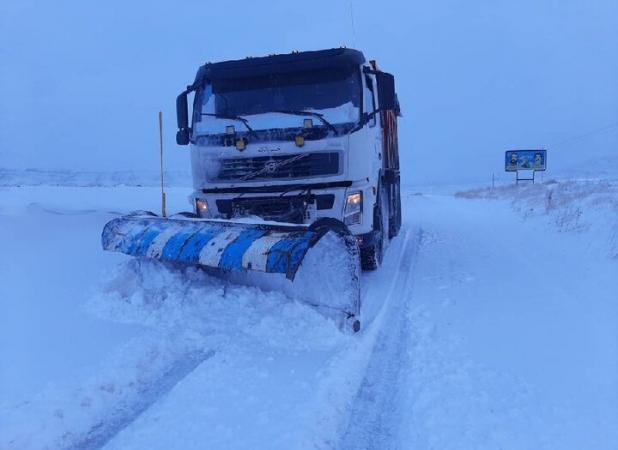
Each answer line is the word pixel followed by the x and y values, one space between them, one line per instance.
pixel 232 117
pixel 310 113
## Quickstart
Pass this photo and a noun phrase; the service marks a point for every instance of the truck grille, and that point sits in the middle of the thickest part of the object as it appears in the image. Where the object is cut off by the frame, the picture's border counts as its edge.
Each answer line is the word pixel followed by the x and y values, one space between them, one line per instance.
pixel 279 167
pixel 291 208
pixel 281 209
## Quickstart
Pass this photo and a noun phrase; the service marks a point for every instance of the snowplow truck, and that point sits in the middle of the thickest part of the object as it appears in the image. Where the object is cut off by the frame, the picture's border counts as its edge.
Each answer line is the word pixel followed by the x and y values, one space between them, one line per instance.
pixel 295 164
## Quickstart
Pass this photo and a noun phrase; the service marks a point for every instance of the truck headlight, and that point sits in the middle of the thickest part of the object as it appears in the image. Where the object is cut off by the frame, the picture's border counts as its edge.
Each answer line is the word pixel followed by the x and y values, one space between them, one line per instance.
pixel 353 208
pixel 201 208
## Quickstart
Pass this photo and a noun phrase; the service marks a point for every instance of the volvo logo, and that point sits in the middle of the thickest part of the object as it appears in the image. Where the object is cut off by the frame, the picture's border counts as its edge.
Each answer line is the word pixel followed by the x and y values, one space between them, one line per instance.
pixel 271 166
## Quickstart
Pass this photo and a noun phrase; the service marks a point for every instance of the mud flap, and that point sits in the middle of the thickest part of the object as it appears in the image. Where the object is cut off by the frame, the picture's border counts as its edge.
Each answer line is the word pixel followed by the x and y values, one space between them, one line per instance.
pixel 330 279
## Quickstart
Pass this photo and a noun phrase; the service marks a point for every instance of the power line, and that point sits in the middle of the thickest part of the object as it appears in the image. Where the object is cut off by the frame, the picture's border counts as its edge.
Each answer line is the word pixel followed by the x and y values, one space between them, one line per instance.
pixel 588 133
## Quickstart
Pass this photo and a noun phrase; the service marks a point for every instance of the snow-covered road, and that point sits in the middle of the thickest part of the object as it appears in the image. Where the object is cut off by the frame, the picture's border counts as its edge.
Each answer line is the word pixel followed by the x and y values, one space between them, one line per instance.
pixel 492 324
pixel 506 336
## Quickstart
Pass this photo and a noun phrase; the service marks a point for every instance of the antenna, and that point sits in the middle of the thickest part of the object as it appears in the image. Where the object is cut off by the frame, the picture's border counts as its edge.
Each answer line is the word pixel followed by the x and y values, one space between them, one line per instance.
pixel 353 27
pixel 163 213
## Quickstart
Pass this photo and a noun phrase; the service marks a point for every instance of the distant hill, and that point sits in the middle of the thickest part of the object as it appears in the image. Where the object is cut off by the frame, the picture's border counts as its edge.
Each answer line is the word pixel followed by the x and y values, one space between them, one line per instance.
pixel 39 177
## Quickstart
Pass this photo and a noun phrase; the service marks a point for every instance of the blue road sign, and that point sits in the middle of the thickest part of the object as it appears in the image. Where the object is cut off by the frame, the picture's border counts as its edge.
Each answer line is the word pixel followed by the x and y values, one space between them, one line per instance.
pixel 515 160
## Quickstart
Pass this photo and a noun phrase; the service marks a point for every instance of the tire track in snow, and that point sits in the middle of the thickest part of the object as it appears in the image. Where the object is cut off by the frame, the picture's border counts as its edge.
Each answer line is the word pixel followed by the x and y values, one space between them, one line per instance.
pixel 103 432
pixel 374 415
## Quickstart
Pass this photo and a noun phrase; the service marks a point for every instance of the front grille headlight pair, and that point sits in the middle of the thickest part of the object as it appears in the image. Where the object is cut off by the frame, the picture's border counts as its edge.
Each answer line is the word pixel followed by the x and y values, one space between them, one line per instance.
pixel 353 208
pixel 201 208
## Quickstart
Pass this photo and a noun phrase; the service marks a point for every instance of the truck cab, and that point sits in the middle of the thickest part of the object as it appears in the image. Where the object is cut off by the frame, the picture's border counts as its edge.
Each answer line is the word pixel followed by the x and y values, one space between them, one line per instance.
pixel 294 138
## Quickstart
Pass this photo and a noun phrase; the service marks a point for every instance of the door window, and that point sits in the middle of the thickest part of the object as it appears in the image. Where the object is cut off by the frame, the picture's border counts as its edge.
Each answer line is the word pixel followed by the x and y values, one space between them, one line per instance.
pixel 369 99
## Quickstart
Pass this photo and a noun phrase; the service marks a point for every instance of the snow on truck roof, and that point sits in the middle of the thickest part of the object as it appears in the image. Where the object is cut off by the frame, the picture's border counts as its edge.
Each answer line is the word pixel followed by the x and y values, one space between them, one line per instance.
pixel 289 62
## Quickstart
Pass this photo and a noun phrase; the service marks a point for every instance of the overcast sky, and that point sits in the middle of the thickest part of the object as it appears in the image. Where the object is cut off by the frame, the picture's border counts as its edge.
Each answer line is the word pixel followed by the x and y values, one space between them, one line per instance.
pixel 81 83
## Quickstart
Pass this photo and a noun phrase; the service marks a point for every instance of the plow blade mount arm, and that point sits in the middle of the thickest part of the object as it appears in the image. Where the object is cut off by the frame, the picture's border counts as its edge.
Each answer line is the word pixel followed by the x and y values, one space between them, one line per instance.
pixel 229 246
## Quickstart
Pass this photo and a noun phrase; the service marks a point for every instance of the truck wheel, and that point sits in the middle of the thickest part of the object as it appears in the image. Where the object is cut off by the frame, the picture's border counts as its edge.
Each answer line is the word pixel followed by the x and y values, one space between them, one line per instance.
pixel 395 224
pixel 371 257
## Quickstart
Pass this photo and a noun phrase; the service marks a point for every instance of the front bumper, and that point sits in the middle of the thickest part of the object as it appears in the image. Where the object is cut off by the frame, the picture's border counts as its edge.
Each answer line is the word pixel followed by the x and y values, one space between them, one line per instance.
pixel 296 206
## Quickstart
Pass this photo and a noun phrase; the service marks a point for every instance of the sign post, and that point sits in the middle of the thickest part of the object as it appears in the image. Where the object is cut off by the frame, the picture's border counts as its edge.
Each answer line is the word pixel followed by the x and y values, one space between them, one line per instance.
pixel 525 163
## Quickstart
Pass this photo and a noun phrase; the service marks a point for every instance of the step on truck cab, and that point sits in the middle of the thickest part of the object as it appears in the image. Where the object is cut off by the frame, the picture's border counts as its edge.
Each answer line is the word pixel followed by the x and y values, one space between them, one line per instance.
pixel 294 138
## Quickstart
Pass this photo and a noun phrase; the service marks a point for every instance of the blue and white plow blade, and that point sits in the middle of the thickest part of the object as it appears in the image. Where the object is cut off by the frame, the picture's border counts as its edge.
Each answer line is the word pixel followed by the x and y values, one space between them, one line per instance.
pixel 332 284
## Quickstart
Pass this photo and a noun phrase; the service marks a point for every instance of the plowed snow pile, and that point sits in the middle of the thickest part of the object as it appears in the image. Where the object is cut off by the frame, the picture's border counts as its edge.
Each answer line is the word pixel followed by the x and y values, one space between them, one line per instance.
pixel 585 206
pixel 188 317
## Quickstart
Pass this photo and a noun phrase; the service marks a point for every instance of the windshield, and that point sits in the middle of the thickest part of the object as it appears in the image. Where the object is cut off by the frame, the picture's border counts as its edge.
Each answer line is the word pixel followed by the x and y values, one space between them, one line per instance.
pixel 275 100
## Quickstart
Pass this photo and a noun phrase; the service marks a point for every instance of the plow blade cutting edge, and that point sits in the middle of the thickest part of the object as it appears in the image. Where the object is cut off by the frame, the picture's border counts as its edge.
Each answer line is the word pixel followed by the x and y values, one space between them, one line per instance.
pixel 328 253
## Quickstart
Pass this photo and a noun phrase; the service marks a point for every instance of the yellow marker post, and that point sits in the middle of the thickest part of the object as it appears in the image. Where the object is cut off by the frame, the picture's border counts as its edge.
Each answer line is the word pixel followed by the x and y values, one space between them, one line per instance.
pixel 163 212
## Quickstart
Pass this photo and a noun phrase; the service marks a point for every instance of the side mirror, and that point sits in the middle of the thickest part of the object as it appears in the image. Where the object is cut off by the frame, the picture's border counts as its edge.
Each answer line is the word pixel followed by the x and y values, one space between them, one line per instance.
pixel 387 98
pixel 182 118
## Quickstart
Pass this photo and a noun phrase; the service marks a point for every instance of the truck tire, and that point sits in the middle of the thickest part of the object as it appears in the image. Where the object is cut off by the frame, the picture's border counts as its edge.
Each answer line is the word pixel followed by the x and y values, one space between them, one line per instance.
pixel 371 257
pixel 395 224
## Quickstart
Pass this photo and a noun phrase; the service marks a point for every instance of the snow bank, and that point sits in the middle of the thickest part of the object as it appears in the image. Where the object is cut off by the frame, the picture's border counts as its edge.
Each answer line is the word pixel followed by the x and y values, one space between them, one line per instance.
pixel 189 317
pixel 513 319
pixel 578 206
